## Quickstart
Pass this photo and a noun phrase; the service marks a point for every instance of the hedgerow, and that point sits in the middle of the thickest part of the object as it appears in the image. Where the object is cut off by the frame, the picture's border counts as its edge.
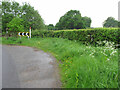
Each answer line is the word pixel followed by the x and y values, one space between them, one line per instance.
pixel 91 36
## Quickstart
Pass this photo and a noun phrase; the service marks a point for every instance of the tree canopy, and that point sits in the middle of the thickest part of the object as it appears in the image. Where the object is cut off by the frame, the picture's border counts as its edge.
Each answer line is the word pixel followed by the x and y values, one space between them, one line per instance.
pixel 110 22
pixel 50 27
pixel 87 21
pixel 73 20
pixel 15 25
pixel 119 24
pixel 31 17
pixel 26 12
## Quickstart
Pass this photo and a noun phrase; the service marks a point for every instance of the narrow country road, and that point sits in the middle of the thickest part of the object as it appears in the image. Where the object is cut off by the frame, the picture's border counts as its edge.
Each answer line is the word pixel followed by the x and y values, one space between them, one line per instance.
pixel 26 67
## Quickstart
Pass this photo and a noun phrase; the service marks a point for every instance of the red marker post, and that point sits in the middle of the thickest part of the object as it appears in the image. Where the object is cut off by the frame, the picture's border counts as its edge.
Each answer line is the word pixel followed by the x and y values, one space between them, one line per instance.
pixel 30 32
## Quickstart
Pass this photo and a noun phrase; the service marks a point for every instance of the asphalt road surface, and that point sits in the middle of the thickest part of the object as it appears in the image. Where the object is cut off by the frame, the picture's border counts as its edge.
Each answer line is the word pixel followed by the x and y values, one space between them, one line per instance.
pixel 26 67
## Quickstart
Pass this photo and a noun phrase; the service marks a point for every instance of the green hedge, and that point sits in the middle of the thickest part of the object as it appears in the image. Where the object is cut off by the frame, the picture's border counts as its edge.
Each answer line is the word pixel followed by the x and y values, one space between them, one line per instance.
pixel 85 35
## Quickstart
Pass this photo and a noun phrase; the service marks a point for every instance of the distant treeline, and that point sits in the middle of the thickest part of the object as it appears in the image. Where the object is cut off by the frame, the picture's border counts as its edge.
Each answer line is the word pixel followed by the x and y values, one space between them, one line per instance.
pixel 74 22
pixel 16 17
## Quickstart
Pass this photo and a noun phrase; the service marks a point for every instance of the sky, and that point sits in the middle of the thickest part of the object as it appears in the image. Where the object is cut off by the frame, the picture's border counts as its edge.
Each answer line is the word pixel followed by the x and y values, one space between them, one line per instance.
pixel 97 10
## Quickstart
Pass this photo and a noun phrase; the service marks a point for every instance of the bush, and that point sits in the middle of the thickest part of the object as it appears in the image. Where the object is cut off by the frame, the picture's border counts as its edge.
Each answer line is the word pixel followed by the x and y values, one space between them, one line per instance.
pixel 16 25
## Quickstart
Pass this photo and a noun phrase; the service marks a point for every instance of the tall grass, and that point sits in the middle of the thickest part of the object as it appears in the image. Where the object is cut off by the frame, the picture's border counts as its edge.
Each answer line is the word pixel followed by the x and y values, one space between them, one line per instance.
pixel 81 66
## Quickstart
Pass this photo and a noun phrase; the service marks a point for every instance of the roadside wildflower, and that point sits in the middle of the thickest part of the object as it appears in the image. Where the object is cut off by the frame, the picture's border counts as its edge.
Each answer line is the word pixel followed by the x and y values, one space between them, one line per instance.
pixel 113 52
pixel 108 59
pixel 38 42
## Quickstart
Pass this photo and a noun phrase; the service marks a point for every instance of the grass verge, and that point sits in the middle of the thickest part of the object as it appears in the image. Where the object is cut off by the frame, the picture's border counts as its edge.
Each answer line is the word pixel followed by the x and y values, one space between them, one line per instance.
pixel 81 66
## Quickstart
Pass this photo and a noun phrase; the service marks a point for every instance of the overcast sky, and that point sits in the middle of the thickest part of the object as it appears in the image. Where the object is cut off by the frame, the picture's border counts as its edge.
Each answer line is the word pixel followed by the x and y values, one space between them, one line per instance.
pixel 97 10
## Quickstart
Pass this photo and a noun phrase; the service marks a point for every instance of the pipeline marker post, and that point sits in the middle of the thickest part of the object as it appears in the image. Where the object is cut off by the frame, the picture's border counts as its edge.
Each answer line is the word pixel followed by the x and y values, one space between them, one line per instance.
pixel 30 32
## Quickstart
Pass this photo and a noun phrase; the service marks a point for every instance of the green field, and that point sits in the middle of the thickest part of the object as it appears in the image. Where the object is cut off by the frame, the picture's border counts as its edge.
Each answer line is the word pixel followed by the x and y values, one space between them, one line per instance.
pixel 81 66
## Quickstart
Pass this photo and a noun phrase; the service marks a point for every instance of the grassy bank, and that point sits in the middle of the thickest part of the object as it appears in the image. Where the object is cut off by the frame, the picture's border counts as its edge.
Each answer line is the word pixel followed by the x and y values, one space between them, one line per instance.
pixel 81 66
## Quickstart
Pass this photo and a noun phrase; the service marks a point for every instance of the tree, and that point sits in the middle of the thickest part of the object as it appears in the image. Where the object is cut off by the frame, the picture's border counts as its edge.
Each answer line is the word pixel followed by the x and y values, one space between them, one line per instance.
pixel 87 21
pixel 31 17
pixel 71 20
pixel 15 26
pixel 50 27
pixel 110 22
pixel 6 18
pixel 0 17
pixel 119 24
pixel 9 11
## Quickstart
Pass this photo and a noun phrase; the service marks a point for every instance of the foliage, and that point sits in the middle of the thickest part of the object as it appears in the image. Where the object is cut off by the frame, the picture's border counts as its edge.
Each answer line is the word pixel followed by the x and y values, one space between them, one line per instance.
pixel 16 25
pixel 91 36
pixel 0 17
pixel 80 66
pixel 50 27
pixel 31 17
pixel 110 22
pixel 9 11
pixel 119 24
pixel 12 9
pixel 71 20
pixel 87 21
